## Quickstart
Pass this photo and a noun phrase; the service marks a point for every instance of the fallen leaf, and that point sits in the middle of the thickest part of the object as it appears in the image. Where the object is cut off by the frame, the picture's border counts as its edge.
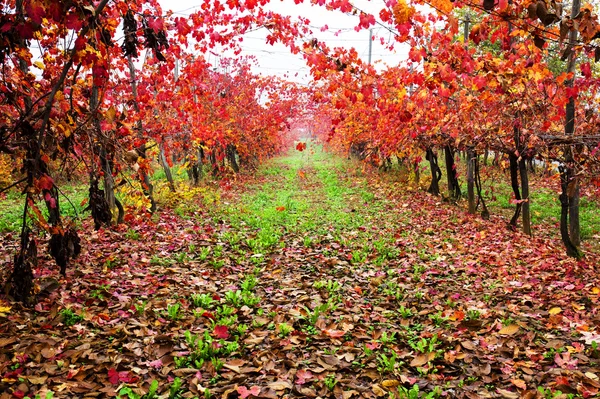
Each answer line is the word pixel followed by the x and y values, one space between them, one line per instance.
pixel 37 379
pixel 390 383
pixel 555 310
pixel 419 360
pixel 511 329
pixel 279 385
pixel 378 391
pixel 221 332
pixel 245 392
pixel 519 383
pixel 508 394
pixel 302 376
pixel 334 333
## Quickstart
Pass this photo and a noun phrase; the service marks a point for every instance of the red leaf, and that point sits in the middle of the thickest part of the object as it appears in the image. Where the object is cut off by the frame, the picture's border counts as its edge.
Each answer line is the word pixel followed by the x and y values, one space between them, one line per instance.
pixel 366 20
pixel 156 24
pixel 302 376
pixel 126 376
pixel 334 333
pixel 113 376
pixel 586 70
pixel 221 332
pixel 45 183
pixel 245 392
pixel 301 146
pixel 73 22
pixel 36 12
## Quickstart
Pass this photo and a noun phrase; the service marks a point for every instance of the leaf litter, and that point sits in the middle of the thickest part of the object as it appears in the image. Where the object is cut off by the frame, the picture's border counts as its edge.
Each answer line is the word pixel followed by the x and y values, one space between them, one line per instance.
pixel 403 293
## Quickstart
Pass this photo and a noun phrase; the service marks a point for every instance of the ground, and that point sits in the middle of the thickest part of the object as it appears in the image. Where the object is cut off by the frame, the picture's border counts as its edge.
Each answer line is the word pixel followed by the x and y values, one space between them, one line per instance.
pixel 311 279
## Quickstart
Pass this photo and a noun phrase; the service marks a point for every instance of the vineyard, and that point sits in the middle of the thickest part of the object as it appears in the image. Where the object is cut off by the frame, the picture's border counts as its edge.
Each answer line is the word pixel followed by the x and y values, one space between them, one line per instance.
pixel 176 228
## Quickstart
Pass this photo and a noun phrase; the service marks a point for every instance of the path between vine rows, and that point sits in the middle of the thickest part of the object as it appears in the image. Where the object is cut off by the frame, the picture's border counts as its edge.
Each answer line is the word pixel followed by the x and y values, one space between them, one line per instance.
pixel 362 288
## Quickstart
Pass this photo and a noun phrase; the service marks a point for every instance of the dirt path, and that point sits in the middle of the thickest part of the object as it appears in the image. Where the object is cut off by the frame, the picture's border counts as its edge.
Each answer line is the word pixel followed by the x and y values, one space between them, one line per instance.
pixel 312 280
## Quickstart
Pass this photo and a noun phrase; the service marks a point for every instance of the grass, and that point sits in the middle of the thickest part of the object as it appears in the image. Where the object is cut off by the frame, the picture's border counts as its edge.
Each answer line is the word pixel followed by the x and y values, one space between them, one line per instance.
pixel 70 202
pixel 544 203
pixel 310 251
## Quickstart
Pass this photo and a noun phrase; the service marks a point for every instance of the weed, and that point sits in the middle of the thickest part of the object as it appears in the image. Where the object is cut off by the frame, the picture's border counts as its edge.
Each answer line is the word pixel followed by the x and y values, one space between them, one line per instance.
pixel 552 352
pixel 234 298
pixel 49 395
pixel 100 291
pixel 330 381
pixel 176 388
pixel 359 256
pixel 180 257
pixel 203 301
pixel 204 252
pixel 249 299
pixel 473 314
pixel 437 319
pixel 405 313
pixel 387 339
pixel 140 307
pixel 217 363
pixel 388 364
pixel 225 311
pixel 173 311
pixel 70 318
pixel 249 283
pixel 307 241
pixel 133 235
pixel 284 329
pixel 157 260
pixel 425 345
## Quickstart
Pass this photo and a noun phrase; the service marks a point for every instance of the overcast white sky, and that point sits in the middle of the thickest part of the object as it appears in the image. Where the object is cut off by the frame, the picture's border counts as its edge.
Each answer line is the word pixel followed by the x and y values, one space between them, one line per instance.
pixel 277 60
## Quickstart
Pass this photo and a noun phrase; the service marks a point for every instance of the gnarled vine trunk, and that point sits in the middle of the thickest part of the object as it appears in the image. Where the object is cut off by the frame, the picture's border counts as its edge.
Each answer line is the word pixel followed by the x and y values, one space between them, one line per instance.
pixel 453 186
pixel 436 172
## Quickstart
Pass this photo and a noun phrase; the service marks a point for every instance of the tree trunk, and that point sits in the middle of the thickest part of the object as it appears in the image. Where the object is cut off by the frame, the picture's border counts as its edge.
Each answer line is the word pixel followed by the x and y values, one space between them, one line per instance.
pixel 417 170
pixel 231 155
pixel 436 172
pixel 99 213
pixel 453 186
pixel 570 174
pixel 485 214
pixel 147 187
pixel 163 162
pixel 525 196
pixel 566 186
pixel 514 183
pixel 471 159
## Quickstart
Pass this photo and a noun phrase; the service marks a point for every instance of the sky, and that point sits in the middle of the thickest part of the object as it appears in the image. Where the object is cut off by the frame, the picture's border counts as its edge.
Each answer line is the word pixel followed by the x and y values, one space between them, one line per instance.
pixel 277 60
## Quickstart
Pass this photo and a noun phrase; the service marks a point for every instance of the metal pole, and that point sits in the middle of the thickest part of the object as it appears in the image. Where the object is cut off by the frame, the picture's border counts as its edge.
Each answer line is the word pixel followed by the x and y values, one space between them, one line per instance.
pixel 370 44
pixel 466 31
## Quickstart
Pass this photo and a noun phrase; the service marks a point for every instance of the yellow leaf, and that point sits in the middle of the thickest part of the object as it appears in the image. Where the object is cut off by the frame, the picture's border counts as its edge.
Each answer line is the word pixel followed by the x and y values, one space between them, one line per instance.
pixel 110 114
pixel 511 329
pixel 390 383
pixel 595 290
pixel 39 65
pixel 555 310
pixel 377 390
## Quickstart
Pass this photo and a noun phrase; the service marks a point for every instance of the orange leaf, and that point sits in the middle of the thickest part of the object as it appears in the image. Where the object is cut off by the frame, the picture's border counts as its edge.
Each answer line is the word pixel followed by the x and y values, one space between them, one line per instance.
pixel 519 383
